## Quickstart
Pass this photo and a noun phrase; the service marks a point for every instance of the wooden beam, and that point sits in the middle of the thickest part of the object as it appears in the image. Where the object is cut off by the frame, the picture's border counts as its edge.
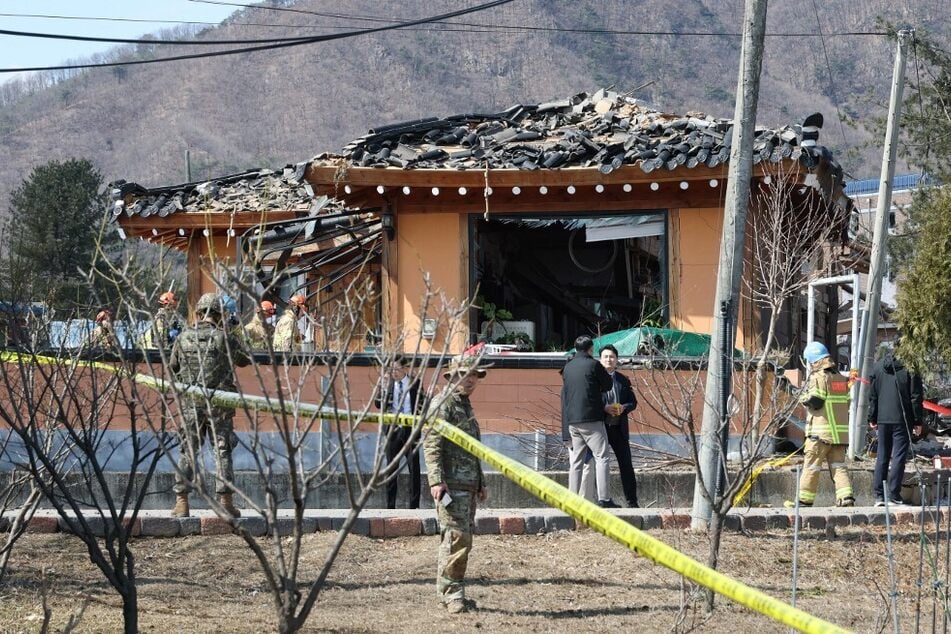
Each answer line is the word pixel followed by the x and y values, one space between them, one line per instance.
pixel 668 196
pixel 213 221
pixel 332 179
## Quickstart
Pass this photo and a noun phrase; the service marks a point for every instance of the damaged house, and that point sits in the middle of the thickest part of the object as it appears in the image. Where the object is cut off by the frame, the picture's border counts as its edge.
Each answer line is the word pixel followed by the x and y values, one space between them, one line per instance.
pixel 591 214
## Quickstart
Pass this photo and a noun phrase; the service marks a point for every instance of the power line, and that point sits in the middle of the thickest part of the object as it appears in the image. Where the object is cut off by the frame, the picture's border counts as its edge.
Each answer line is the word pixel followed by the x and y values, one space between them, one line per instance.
pixel 49 16
pixel 522 27
pixel 122 40
pixel 437 25
pixel 265 47
pixel 835 99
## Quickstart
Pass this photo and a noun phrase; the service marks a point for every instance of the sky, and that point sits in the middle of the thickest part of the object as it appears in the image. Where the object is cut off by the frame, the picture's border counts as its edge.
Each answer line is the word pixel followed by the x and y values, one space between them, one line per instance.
pixel 22 51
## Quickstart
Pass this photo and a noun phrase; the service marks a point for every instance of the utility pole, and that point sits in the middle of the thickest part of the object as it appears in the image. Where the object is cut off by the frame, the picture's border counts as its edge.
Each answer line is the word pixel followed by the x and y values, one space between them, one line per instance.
pixel 712 450
pixel 880 236
pixel 188 166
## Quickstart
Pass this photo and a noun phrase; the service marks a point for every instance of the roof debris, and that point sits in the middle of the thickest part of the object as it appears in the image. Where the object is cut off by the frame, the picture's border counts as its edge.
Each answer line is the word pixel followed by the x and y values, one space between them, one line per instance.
pixel 604 130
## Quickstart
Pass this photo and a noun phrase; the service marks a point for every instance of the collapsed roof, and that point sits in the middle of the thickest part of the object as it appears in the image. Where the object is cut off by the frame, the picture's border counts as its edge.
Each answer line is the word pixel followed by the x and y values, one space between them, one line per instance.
pixel 605 130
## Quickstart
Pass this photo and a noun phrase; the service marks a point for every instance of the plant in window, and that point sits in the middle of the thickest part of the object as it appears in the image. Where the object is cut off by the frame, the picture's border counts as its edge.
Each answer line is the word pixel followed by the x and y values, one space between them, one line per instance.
pixel 522 341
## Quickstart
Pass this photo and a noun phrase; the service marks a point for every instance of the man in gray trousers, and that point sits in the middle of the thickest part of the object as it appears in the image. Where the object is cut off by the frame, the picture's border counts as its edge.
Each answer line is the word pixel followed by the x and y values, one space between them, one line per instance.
pixel 582 418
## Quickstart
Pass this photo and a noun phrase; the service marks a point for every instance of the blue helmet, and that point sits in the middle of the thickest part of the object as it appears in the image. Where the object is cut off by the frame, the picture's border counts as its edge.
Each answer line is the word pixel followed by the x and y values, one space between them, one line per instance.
pixel 230 306
pixel 815 351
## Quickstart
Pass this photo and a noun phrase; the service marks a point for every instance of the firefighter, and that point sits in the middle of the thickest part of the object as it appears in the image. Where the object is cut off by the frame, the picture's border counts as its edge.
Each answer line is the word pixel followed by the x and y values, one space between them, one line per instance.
pixel 287 335
pixel 166 324
pixel 259 330
pixel 103 335
pixel 826 400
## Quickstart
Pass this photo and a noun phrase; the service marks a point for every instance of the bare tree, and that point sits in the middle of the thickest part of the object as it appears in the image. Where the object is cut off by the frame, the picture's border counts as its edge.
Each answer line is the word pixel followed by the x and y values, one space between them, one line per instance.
pixel 792 234
pixel 67 414
pixel 671 391
pixel 272 395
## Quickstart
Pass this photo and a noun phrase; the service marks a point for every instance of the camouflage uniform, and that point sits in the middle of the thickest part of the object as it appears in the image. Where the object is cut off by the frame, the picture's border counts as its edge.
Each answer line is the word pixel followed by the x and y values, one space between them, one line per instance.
pixel 165 320
pixel 461 472
pixel 200 357
pixel 287 337
pixel 257 332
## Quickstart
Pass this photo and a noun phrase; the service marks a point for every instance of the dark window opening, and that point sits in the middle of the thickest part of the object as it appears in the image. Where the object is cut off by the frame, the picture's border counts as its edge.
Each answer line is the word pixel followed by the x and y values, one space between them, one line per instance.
pixel 563 277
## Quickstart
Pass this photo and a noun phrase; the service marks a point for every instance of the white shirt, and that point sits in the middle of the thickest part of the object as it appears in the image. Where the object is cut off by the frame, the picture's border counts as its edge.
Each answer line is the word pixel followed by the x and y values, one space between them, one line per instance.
pixel 401 400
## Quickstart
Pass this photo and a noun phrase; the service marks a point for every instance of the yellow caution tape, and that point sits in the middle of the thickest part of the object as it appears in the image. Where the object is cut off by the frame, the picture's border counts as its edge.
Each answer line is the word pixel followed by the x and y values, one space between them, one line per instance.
pixel 538 485
pixel 768 464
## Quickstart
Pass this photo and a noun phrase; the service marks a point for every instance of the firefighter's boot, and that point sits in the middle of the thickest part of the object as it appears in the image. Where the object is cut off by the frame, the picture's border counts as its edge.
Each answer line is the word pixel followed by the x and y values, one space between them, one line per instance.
pixel 181 506
pixel 226 501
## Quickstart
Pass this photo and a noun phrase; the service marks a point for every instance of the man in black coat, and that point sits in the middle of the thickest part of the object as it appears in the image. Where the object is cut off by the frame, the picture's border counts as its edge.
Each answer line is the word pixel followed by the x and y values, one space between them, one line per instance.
pixel 401 393
pixel 895 406
pixel 620 401
pixel 582 418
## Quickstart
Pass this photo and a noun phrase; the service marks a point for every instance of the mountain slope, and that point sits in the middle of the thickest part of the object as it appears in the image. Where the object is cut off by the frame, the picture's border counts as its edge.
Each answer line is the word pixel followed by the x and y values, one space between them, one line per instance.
pixel 274 107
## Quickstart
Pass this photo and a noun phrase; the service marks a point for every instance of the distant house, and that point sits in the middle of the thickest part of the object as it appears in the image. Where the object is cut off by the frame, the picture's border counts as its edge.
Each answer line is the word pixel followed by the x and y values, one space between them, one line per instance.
pixel 583 215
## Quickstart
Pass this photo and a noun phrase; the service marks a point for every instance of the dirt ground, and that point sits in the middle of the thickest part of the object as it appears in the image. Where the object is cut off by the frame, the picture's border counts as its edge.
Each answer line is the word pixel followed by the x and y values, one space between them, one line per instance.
pixel 566 581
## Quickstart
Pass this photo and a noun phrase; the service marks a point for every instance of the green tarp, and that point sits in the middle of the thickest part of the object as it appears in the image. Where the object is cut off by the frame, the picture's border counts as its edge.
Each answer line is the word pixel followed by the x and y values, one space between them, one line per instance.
pixel 655 341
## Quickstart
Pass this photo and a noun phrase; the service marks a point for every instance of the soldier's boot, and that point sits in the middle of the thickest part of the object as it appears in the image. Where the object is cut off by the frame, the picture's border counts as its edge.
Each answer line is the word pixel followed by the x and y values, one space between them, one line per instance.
pixel 457 606
pixel 181 506
pixel 227 501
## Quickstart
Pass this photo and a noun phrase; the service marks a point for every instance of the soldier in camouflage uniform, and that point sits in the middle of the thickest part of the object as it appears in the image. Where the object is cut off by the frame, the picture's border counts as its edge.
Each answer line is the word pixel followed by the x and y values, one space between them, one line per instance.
pixel 205 355
pixel 166 324
pixel 287 337
pixel 259 331
pixel 456 482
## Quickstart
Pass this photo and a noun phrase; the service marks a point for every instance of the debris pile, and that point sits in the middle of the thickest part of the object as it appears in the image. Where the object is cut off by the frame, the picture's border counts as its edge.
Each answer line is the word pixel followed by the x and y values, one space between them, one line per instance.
pixel 604 130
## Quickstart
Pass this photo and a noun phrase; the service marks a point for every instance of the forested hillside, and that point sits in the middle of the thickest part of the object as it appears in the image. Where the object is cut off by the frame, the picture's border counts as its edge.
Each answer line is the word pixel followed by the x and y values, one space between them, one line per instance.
pixel 273 107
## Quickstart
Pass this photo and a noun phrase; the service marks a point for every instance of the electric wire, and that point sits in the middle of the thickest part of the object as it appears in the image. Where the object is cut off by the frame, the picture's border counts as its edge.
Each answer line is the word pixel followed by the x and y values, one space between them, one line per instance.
pixel 264 47
pixel 825 53
pixel 49 16
pixel 921 105
pixel 526 28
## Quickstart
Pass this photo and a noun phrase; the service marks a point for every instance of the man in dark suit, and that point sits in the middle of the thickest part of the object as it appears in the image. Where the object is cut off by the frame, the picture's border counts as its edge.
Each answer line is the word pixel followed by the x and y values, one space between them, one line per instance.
pixel 582 418
pixel 401 396
pixel 894 410
pixel 620 401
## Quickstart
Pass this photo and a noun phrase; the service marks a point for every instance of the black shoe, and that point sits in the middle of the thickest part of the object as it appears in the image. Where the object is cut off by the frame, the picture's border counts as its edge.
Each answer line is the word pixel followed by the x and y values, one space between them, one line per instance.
pixel 897 502
pixel 608 504
pixel 633 505
pixel 879 502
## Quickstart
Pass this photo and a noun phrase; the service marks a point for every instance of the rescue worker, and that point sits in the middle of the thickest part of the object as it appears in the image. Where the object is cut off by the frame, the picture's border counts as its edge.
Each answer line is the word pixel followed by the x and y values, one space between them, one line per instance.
pixel 826 400
pixel 104 334
pixel 259 330
pixel 166 324
pixel 205 356
pixel 287 335
pixel 456 482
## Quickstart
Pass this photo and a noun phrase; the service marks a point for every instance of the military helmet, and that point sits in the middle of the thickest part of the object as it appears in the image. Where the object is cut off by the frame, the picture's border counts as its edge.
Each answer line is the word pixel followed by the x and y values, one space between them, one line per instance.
pixel 465 364
pixel 208 303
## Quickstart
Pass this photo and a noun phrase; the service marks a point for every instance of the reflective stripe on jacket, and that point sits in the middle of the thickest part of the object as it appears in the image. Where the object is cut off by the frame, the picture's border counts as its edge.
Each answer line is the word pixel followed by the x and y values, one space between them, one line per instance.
pixel 827 399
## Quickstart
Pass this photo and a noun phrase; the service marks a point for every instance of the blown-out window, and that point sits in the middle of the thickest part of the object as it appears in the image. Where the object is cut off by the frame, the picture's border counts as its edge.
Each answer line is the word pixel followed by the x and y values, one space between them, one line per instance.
pixel 554 278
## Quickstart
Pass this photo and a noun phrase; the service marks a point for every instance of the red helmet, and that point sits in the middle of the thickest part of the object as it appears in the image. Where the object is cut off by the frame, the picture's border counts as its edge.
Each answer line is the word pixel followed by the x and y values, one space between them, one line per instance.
pixel 268 307
pixel 166 298
pixel 103 315
pixel 298 300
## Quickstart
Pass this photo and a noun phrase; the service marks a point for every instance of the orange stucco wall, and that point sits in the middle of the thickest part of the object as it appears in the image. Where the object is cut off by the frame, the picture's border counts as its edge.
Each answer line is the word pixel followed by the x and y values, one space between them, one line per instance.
pixel 694 250
pixel 434 245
